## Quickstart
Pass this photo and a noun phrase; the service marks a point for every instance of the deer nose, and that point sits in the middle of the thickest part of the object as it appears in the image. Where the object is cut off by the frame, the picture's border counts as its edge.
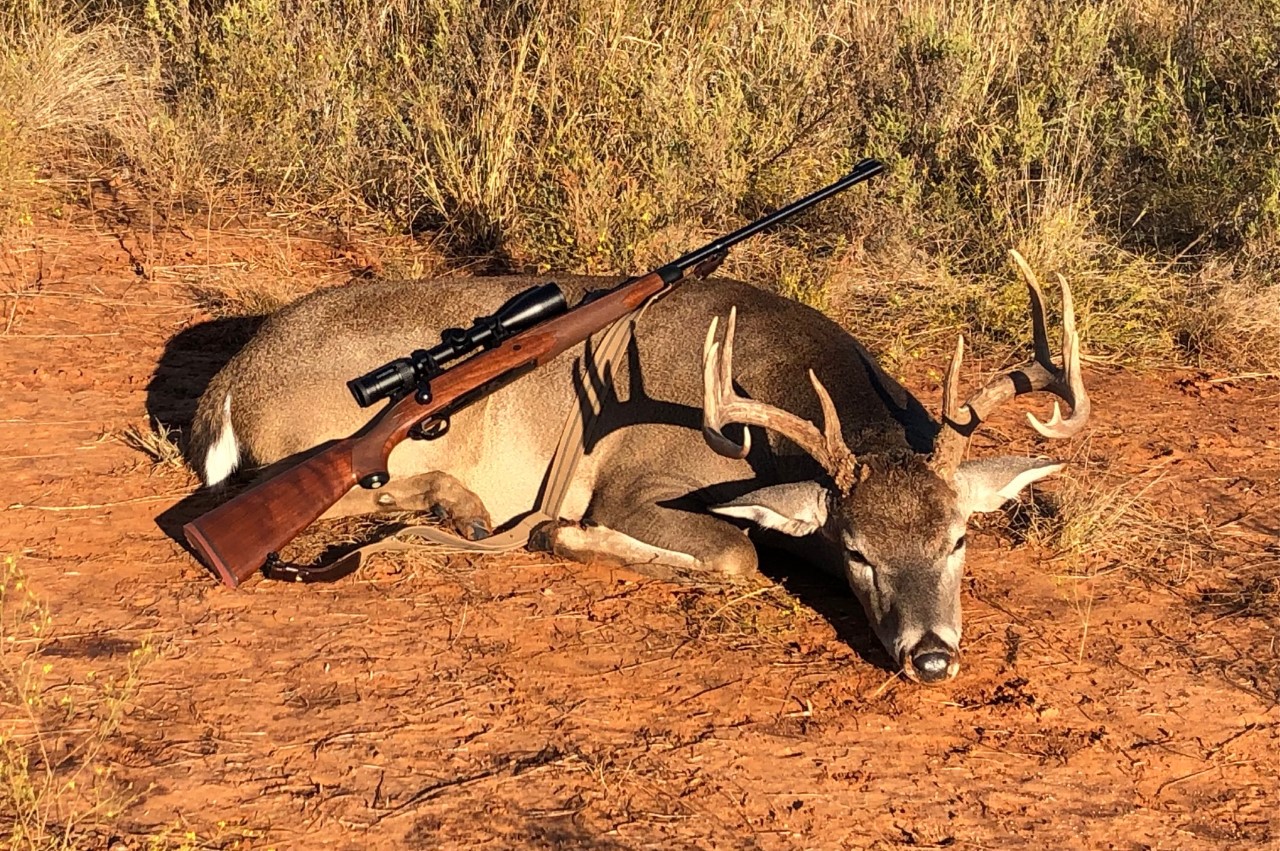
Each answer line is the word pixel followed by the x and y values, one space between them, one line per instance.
pixel 932 666
pixel 932 661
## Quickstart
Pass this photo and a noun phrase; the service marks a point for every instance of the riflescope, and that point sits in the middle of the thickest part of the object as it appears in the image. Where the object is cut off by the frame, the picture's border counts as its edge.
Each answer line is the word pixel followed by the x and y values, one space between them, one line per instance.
pixel 403 375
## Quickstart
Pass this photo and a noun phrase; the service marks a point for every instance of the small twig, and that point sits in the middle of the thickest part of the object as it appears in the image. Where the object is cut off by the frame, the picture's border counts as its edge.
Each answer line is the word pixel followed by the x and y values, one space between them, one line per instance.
pixel 13 311
pixel 49 454
pixel 1244 376
pixel 88 506
pixel 24 421
pixel 893 678
pixel 56 336
pixel 240 263
pixel 105 302
pixel 545 758
pixel 1166 784
pixel 708 690
pixel 1248 728
pixel 462 624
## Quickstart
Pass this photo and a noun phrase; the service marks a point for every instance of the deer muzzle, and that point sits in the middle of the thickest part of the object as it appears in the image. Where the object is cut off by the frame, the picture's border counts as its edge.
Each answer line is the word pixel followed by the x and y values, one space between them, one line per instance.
pixel 931 661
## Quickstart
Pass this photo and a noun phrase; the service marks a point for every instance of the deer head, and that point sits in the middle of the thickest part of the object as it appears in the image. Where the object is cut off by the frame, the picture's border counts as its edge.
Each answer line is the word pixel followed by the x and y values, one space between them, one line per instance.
pixel 895 521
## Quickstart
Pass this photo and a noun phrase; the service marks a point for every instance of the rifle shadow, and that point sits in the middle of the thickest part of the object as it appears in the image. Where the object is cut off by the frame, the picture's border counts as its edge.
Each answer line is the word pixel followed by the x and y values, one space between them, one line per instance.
pixel 189 362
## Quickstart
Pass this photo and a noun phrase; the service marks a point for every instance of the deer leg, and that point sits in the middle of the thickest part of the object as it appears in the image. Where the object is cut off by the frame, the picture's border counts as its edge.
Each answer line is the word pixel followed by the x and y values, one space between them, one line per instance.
pixel 442 495
pixel 436 492
pixel 629 526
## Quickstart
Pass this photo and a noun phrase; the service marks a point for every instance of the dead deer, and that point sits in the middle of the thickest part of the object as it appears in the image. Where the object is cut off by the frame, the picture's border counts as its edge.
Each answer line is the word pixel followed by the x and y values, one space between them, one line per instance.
pixel 880 495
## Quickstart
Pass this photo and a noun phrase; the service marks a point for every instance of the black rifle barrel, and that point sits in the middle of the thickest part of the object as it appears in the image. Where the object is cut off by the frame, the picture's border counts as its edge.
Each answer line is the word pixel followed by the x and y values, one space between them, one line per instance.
pixel 532 306
pixel 863 170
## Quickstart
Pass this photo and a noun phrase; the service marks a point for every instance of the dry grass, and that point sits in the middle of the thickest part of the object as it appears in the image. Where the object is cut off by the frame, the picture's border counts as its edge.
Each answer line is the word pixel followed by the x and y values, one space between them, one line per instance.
pixel 1234 324
pixel 231 294
pixel 160 443
pixel 75 100
pixel 765 615
pixel 1129 143
pixel 1106 528
pixel 1114 529
pixel 1100 519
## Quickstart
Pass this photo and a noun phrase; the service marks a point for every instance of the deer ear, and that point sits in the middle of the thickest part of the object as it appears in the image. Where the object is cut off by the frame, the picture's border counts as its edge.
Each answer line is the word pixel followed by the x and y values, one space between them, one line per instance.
pixel 794 509
pixel 987 484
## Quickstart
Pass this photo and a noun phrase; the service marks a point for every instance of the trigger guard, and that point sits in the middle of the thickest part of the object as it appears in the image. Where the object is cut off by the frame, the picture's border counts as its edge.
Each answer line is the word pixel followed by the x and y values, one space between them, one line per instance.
pixel 431 430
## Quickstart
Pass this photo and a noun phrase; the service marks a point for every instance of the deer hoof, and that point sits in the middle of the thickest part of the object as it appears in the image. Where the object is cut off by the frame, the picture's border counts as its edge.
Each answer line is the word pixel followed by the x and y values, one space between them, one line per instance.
pixel 543 537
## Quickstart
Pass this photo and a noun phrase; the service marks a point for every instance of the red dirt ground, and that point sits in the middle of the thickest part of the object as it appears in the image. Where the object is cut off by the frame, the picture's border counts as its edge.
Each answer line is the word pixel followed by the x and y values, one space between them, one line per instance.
pixel 1122 697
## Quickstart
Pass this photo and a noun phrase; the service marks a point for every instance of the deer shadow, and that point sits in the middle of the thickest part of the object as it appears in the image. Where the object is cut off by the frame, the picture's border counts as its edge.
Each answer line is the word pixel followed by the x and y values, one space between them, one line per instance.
pixel 189 362
pixel 827 595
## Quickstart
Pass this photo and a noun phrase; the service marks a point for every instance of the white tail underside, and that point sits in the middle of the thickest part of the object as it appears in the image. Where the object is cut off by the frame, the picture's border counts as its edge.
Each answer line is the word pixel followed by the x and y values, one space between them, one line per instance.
pixel 224 455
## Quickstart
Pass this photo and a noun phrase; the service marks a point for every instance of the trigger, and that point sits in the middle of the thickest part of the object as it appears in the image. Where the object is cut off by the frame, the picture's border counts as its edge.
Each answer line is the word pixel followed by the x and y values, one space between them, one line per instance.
pixel 431 429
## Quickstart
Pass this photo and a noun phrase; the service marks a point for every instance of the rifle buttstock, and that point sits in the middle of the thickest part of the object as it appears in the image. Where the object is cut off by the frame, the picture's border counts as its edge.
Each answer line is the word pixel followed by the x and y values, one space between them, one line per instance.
pixel 237 537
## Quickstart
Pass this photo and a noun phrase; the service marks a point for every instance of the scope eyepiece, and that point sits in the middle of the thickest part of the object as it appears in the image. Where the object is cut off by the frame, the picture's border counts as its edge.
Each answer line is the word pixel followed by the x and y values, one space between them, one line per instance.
pixel 386 380
pixel 521 311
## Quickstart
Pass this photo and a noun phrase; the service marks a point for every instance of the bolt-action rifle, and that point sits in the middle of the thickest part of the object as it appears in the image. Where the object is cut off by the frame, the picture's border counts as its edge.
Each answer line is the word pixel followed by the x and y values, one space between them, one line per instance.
pixel 243 534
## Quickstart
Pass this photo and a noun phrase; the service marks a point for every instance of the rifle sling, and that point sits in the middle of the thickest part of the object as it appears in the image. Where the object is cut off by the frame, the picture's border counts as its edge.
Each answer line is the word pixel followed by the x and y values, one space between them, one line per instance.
pixel 598 363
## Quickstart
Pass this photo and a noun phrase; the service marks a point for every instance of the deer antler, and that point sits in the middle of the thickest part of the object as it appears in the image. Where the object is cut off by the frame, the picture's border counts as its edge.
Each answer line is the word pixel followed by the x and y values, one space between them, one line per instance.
pixel 721 405
pixel 959 422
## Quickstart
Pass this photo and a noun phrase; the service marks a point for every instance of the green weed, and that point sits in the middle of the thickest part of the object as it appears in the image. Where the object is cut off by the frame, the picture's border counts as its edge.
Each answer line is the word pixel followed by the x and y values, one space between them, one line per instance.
pixel 57 789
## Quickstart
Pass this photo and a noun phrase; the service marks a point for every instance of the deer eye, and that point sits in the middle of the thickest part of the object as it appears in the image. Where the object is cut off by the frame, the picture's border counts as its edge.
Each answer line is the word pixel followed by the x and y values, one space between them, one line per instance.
pixel 857 557
pixel 959 544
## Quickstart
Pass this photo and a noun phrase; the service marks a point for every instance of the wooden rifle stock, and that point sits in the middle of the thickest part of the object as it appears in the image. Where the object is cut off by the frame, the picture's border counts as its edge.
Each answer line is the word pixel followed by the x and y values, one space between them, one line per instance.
pixel 238 537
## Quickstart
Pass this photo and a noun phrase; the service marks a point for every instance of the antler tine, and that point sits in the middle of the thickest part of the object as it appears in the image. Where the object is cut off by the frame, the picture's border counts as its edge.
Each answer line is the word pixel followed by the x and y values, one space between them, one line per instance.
pixel 830 419
pixel 721 405
pixel 1071 381
pixel 717 390
pixel 1039 323
pixel 1042 373
pixel 950 443
pixel 951 384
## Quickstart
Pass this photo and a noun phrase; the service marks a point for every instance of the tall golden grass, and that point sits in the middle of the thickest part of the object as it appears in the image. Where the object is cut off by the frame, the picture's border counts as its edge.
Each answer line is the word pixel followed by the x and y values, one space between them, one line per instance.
pixel 1130 144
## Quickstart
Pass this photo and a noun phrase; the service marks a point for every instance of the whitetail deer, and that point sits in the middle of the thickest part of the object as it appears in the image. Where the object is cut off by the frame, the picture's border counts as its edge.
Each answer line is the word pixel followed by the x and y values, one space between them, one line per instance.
pixel 880 495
